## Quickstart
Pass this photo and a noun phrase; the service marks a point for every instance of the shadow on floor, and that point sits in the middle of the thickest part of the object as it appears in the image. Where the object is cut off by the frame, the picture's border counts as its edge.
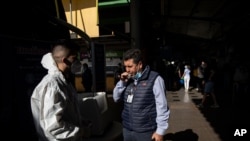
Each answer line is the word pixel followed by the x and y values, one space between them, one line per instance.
pixel 187 135
pixel 225 119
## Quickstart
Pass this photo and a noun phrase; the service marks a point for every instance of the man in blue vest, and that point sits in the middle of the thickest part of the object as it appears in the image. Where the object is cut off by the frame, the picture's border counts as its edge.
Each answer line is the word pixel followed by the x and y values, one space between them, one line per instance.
pixel 145 113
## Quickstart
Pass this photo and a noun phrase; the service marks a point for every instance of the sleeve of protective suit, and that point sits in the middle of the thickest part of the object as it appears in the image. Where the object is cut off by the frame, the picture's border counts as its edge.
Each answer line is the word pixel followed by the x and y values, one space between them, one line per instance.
pixel 56 120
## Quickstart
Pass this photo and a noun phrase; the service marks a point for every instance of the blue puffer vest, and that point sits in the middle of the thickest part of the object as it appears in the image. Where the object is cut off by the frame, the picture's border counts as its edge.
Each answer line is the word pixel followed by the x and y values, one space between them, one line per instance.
pixel 140 115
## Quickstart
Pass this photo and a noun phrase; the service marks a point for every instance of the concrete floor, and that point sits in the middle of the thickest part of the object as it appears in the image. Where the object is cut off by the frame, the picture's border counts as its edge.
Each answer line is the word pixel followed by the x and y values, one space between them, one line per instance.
pixel 186 121
pixel 189 123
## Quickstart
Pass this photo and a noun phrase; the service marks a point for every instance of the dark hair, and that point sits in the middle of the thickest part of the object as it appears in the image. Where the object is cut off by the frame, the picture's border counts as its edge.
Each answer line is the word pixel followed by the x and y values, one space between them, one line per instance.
pixel 63 48
pixel 134 54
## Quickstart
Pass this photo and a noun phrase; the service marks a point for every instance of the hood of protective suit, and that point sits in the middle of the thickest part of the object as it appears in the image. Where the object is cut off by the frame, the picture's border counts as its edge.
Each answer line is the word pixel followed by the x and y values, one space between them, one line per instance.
pixel 49 63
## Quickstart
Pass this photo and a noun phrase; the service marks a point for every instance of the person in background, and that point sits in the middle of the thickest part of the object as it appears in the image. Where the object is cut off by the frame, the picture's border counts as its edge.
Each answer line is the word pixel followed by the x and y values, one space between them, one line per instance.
pixel 54 100
pixel 145 113
pixel 208 84
pixel 179 73
pixel 87 77
pixel 200 76
pixel 186 77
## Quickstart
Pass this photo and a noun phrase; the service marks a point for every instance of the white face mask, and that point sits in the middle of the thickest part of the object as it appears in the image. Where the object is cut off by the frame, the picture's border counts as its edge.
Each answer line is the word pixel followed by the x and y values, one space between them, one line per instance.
pixel 76 67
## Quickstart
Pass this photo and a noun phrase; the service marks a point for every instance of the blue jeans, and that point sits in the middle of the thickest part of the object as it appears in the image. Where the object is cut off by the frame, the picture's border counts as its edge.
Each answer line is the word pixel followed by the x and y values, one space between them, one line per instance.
pixel 135 136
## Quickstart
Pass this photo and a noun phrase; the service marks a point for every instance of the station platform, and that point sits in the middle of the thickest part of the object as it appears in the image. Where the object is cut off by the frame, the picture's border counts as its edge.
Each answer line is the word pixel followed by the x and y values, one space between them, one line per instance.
pixel 187 122
pixel 190 123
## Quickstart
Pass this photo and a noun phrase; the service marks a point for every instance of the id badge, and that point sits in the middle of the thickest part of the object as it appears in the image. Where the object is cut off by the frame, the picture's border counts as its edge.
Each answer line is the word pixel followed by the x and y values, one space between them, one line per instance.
pixel 130 98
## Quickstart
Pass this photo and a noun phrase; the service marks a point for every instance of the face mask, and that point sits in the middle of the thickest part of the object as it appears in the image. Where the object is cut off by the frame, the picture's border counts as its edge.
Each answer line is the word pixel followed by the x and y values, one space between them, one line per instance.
pixel 137 75
pixel 76 67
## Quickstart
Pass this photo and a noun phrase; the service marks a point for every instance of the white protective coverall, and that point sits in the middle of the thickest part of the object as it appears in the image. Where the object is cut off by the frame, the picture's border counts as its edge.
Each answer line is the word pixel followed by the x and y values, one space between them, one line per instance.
pixel 54 106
